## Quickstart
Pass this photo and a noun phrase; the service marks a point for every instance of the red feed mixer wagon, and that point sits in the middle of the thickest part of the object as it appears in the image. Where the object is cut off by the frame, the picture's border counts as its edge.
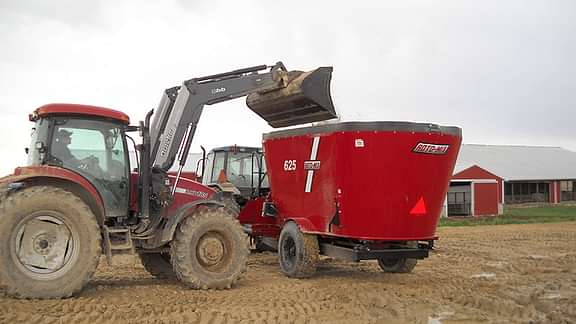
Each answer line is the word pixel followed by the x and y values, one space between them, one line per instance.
pixel 356 191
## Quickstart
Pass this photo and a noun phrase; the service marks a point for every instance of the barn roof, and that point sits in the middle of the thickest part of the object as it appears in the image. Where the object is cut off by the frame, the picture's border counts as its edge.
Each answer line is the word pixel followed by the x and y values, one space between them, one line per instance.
pixel 519 162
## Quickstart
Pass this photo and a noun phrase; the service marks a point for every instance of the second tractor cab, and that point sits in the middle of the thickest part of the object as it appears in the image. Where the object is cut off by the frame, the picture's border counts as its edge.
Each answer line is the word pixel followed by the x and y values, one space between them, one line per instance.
pixel 241 166
pixel 240 173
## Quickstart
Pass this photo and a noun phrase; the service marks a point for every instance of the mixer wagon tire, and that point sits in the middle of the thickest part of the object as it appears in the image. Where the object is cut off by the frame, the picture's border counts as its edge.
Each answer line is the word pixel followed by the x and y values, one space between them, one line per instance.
pixel 298 253
pixel 49 243
pixel 158 265
pixel 399 265
pixel 210 249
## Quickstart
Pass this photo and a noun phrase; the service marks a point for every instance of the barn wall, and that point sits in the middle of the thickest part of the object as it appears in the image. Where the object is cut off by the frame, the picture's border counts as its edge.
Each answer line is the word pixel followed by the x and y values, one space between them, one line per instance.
pixel 486 199
pixel 476 172
pixel 488 190
pixel 555 192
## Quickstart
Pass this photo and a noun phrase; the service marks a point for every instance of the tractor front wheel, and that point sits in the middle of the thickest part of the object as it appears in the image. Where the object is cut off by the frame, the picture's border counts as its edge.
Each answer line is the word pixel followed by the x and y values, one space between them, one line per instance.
pixel 49 243
pixel 210 249
pixel 297 252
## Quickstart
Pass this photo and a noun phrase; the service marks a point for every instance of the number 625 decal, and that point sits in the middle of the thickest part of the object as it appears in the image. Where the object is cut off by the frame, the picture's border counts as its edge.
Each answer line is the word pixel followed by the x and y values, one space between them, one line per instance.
pixel 289 165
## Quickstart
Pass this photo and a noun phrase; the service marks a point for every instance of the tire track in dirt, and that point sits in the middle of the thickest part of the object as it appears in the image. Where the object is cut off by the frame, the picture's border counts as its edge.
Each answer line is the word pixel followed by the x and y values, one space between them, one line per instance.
pixel 533 280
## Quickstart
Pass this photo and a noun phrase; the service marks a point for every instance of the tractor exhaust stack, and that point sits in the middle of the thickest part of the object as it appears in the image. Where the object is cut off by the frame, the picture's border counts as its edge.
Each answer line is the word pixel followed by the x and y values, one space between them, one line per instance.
pixel 304 97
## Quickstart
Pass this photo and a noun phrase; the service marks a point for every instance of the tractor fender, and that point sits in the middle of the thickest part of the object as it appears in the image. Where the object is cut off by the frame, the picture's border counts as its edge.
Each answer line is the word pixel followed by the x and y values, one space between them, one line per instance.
pixel 303 223
pixel 181 213
pixel 61 178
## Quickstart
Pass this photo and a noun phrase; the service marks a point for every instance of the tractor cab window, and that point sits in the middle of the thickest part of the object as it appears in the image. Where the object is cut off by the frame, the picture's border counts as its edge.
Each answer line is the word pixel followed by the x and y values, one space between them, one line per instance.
pixel 96 150
pixel 240 170
pixel 217 166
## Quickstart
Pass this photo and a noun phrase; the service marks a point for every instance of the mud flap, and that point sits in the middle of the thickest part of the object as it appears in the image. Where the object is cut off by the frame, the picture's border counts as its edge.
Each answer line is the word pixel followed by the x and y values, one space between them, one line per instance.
pixel 304 98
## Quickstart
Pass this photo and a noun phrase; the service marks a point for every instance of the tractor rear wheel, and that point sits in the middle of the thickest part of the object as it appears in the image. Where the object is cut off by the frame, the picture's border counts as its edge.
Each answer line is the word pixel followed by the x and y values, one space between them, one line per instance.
pixel 397 264
pixel 210 249
pixel 297 252
pixel 49 243
pixel 158 264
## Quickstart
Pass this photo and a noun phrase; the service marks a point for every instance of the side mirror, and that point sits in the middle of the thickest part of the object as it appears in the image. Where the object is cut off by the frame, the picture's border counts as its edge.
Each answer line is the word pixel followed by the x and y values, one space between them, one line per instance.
pixel 26 150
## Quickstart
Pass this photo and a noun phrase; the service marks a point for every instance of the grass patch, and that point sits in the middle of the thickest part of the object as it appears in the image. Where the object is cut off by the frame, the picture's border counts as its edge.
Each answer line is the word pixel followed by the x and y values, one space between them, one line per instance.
pixel 515 215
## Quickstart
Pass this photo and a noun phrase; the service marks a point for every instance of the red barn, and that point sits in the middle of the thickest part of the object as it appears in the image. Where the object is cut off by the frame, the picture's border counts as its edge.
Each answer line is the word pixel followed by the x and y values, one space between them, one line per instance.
pixel 487 177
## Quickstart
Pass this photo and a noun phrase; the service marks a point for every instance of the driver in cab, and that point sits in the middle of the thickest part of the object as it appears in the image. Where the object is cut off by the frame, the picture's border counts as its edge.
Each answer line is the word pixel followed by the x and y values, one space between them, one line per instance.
pixel 61 151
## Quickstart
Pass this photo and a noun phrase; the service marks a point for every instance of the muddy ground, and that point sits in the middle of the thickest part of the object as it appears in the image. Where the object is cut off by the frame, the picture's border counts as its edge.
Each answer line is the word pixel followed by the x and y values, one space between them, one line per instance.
pixel 488 274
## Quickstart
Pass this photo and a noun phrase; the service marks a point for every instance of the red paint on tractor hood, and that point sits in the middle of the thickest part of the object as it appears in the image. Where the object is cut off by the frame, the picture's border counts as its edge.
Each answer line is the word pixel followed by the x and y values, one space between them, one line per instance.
pixel 75 109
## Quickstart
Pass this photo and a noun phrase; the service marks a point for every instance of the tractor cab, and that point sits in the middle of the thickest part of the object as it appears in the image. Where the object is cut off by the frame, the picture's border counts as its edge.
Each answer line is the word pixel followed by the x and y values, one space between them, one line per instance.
pixel 243 167
pixel 88 141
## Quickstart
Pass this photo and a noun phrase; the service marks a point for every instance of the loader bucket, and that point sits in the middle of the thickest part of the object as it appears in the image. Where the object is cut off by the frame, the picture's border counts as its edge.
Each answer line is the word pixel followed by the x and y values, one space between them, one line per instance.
pixel 303 98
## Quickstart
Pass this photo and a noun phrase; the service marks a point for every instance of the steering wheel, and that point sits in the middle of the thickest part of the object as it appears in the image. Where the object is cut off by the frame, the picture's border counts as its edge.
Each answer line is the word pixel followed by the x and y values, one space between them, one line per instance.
pixel 91 164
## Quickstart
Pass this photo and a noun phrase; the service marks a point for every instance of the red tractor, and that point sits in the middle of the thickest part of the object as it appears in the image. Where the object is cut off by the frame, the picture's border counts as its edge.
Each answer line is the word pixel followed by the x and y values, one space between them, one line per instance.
pixel 77 197
pixel 351 190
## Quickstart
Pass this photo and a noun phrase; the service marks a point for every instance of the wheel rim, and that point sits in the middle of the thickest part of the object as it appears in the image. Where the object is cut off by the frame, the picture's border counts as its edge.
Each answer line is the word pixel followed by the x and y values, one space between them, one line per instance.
pixel 289 252
pixel 213 251
pixel 44 245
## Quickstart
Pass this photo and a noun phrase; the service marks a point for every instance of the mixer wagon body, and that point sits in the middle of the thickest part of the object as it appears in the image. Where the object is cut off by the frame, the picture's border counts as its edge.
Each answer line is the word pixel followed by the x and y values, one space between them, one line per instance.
pixel 358 190
pixel 362 180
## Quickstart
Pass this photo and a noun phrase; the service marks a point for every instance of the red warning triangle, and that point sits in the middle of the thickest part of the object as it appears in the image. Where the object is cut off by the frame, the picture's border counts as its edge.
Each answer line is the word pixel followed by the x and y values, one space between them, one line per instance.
pixel 419 208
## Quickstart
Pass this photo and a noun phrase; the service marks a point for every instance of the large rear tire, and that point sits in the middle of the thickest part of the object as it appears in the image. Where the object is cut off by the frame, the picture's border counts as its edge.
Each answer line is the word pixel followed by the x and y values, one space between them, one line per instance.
pixel 49 243
pixel 210 249
pixel 158 265
pixel 297 252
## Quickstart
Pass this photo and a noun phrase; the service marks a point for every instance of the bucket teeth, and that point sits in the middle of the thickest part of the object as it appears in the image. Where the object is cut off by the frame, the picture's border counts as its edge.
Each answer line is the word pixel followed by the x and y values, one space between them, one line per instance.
pixel 304 98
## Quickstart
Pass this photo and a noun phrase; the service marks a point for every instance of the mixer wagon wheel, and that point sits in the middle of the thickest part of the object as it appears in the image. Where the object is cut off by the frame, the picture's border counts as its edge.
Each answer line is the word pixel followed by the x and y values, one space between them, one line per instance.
pixel 49 243
pixel 210 249
pixel 158 264
pixel 398 264
pixel 297 252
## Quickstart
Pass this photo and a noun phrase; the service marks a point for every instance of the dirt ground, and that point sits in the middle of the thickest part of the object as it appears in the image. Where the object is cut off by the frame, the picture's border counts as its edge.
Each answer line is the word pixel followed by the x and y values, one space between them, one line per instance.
pixel 484 274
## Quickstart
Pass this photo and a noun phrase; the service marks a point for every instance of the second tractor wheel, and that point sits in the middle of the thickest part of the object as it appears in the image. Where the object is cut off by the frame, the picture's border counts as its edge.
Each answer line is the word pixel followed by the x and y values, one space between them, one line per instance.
pixel 297 252
pixel 158 264
pixel 210 249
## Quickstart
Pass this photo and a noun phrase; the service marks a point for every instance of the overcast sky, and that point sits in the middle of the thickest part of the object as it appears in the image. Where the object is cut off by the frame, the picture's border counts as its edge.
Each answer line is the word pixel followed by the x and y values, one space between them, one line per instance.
pixel 504 71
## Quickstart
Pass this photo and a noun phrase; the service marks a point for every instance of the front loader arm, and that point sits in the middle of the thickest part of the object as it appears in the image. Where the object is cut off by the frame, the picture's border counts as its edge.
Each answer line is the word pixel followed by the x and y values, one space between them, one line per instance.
pixel 180 109
pixel 281 97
